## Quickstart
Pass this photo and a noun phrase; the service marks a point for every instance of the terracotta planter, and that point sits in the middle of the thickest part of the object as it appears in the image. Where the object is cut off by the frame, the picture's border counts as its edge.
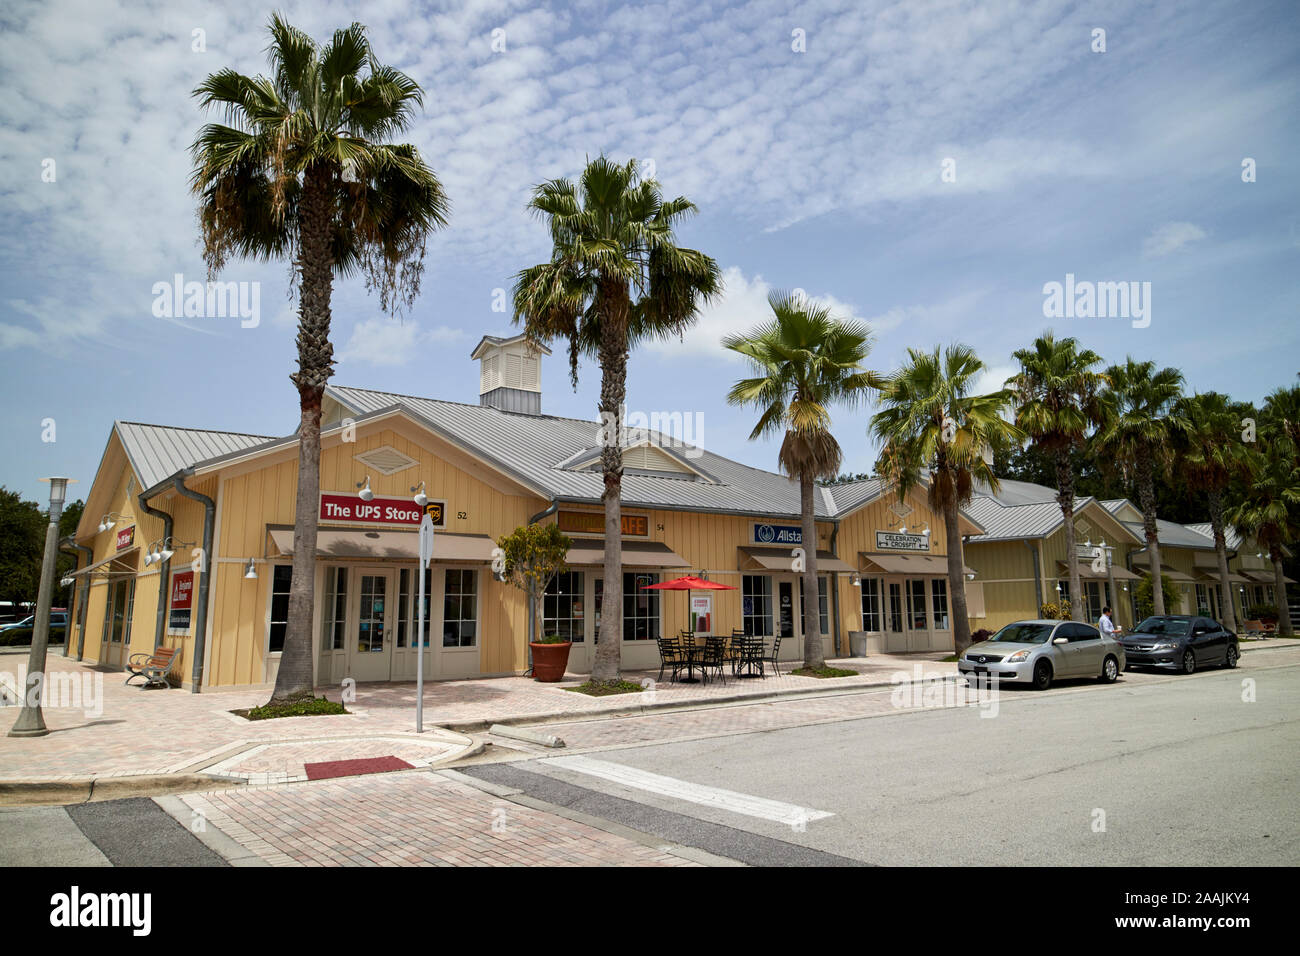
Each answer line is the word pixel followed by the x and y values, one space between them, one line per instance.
pixel 550 661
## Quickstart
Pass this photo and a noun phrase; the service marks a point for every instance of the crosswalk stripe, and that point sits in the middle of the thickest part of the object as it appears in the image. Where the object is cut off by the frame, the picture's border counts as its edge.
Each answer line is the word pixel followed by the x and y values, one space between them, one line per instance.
pixel 730 800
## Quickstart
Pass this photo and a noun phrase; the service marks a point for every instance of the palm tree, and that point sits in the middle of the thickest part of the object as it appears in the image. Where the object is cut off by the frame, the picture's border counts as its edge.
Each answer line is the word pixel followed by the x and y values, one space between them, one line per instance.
pixel 1267 506
pixel 1210 455
pixel 615 277
pixel 1136 437
pixel 929 422
pixel 804 361
pixel 1056 391
pixel 300 171
pixel 1282 413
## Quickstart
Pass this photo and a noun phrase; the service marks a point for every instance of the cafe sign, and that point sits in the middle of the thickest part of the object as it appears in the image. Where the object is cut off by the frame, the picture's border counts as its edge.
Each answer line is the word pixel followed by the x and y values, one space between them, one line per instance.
pixel 126 537
pixel 892 541
pixel 593 522
pixel 395 511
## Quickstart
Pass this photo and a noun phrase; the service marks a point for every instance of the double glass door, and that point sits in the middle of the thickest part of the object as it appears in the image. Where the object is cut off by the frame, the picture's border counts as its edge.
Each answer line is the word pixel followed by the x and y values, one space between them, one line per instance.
pixel 117 622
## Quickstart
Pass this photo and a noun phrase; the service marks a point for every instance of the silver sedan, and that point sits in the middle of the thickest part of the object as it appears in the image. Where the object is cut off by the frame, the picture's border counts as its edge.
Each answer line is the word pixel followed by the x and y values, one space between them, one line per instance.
pixel 1038 652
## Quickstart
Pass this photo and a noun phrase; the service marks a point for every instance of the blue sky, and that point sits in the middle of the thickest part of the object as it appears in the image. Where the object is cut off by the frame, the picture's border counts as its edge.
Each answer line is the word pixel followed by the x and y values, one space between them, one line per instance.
pixel 818 170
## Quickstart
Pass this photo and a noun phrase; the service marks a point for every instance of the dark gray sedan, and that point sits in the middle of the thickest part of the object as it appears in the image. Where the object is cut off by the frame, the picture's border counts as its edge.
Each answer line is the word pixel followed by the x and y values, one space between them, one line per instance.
pixel 1181 642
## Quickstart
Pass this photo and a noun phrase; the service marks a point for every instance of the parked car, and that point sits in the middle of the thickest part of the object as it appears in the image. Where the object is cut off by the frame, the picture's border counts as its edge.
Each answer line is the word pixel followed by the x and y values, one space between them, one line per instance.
pixel 1038 652
pixel 1181 642
pixel 20 632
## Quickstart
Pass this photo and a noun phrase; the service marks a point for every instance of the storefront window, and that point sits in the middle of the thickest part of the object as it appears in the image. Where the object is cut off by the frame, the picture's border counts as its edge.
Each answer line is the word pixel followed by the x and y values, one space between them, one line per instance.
pixel 870 604
pixel 895 607
pixel 640 608
pixel 916 604
pixel 823 610
pixel 280 578
pixel 562 606
pixel 404 607
pixel 939 601
pixel 1202 600
pixel 336 609
pixel 756 604
pixel 1093 591
pixel 460 609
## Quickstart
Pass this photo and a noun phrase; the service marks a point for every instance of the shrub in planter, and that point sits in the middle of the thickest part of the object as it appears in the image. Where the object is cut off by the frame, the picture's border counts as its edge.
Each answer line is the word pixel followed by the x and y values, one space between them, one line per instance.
pixel 983 634
pixel 1264 612
pixel 1052 611
pixel 531 556
pixel 1145 600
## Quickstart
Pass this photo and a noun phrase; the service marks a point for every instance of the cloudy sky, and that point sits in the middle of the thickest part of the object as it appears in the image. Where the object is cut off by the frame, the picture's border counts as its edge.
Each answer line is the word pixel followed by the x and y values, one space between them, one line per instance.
pixel 814 137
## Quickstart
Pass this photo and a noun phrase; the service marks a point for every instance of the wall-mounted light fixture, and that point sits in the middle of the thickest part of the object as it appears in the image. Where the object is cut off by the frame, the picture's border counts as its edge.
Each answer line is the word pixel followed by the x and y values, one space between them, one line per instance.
pixel 365 494
pixel 251 573
pixel 110 519
pixel 421 498
pixel 163 548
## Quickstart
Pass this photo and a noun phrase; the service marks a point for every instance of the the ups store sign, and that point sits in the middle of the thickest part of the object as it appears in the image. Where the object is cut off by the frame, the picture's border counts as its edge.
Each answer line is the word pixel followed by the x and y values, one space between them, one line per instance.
pixel 593 522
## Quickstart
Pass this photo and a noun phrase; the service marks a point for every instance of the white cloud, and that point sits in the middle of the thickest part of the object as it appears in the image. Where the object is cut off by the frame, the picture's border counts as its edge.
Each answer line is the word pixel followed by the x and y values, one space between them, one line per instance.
pixel 993 379
pixel 743 306
pixel 384 341
pixel 1171 237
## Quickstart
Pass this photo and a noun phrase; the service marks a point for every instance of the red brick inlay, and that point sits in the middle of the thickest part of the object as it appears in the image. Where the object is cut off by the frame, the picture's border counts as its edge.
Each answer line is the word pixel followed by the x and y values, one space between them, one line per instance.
pixel 353 768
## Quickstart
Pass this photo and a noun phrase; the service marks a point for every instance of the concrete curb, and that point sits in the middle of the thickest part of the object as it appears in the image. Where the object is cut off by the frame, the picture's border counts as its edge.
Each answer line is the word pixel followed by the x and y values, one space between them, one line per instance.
pixel 485 725
pixel 210 836
pixel 96 789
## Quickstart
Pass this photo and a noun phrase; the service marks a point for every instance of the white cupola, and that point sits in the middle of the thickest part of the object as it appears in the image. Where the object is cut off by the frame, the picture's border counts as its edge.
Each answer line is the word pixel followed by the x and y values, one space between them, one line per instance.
pixel 510 373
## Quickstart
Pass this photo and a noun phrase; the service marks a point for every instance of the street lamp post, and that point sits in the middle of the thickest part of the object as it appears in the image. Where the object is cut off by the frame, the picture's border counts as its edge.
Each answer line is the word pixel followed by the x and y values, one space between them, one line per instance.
pixel 30 722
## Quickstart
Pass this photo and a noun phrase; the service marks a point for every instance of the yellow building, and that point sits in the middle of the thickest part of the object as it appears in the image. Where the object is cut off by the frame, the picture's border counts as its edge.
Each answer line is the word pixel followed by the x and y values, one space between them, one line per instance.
pixel 187 541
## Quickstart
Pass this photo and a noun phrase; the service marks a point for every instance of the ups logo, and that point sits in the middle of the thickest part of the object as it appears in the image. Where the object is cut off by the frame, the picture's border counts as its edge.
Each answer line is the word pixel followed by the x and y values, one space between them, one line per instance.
pixel 434 510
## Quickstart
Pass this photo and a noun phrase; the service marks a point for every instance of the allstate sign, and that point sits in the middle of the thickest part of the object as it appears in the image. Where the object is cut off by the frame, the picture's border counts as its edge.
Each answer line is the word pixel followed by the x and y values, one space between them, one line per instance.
pixel 778 534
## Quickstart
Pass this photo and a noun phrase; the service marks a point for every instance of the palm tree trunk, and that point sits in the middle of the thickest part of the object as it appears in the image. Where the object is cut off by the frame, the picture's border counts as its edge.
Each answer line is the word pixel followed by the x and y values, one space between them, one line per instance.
pixel 812 630
pixel 1284 628
pixel 1147 498
pixel 1227 612
pixel 1065 497
pixel 956 578
pixel 613 390
pixel 315 363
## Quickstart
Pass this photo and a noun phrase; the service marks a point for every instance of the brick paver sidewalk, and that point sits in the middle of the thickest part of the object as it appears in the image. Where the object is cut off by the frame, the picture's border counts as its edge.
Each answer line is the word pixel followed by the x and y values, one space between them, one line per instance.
pixel 411 818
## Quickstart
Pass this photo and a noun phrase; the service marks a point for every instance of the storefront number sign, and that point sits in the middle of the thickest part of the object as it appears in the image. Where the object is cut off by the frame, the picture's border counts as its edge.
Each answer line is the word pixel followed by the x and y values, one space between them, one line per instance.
pixel 892 541
pixel 182 600
pixel 400 511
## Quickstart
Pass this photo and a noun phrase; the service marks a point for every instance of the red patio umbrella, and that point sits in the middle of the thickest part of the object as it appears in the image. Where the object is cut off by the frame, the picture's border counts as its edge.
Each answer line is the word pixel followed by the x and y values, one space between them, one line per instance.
pixel 688 583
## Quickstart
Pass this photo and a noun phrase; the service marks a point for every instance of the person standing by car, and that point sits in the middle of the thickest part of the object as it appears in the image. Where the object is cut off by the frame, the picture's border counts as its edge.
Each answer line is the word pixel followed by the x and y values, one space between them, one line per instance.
pixel 1107 624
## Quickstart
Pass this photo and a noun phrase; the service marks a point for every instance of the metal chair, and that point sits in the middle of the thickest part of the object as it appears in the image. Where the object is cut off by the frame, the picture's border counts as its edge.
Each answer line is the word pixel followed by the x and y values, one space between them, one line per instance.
pixel 670 656
pixel 776 651
pixel 714 658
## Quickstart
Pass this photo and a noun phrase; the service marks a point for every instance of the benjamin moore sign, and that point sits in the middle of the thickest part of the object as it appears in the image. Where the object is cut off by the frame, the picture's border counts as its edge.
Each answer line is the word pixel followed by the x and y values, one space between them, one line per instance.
pixel 778 534
pixel 890 541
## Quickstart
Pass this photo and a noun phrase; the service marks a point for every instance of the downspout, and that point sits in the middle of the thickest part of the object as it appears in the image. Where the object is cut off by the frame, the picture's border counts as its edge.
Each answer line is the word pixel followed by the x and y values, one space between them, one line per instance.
pixel 1038 575
pixel 164 572
pixel 532 605
pixel 83 598
pixel 835 591
pixel 201 607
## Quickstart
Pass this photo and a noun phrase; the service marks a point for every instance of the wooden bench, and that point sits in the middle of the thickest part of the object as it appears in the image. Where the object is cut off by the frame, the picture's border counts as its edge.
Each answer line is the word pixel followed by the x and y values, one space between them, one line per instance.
pixel 152 667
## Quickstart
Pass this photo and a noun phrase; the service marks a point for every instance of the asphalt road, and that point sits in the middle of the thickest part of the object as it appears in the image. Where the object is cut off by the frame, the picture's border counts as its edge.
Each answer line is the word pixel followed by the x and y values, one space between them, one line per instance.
pixel 1145 772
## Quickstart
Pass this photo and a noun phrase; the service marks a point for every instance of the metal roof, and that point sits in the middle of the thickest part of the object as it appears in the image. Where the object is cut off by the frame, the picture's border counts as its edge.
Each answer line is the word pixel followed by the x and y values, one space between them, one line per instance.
pixel 537 446
pixel 158 451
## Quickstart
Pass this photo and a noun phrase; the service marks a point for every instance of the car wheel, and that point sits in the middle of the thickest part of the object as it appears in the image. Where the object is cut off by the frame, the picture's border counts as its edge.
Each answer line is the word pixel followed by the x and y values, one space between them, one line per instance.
pixel 1042 675
pixel 1109 670
pixel 1230 656
pixel 1189 662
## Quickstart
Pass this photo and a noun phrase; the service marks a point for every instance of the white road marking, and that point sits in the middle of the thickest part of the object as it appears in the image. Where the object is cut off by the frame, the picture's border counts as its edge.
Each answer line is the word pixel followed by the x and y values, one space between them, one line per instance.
pixel 743 803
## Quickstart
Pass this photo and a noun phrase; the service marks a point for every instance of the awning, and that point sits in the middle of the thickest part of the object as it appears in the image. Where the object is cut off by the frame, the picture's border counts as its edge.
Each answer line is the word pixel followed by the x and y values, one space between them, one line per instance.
pixel 1172 574
pixel 636 554
pixel 778 559
pixel 1212 575
pixel 398 545
pixel 113 564
pixel 873 562
pixel 1086 571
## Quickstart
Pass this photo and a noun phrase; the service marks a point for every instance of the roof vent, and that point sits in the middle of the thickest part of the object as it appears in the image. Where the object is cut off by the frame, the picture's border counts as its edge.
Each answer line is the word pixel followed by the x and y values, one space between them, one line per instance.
pixel 510 373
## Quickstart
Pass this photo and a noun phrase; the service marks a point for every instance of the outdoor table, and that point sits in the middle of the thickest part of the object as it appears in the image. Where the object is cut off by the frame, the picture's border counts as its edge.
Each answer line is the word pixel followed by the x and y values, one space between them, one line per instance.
pixel 751 657
pixel 691 650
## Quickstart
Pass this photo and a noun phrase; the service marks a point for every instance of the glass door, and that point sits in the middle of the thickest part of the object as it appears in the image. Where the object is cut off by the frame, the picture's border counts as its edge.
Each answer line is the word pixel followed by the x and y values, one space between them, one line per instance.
pixel 895 640
pixel 373 621
pixel 918 628
pixel 117 623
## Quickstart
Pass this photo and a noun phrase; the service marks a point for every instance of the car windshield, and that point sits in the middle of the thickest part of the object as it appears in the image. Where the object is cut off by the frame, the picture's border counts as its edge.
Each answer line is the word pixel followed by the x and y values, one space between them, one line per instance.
pixel 1172 626
pixel 1023 634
